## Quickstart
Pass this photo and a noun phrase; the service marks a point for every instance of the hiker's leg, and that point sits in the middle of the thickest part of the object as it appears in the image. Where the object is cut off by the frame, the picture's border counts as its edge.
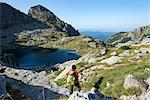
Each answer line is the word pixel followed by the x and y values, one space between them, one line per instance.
pixel 71 89
pixel 78 86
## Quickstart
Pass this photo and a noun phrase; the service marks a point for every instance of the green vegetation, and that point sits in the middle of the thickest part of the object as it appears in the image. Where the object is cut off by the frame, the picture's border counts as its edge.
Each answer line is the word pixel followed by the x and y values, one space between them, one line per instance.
pixel 61 81
pixel 81 65
pixel 132 91
pixel 80 43
pixel 117 36
pixel 57 72
pixel 124 40
pixel 116 77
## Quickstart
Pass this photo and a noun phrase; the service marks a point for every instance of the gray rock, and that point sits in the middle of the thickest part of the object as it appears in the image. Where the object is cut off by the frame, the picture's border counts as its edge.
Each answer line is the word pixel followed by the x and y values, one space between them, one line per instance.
pixel 145 50
pixel 112 60
pixel 131 82
pixel 90 58
pixel 125 53
pixel 96 44
pixel 113 53
pixel 103 51
pixel 37 79
pixel 147 81
pixel 145 96
pixel 139 55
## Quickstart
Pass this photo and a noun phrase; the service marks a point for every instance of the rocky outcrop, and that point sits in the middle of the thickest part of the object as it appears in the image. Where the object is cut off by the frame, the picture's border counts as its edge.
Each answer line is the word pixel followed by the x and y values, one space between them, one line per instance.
pixel 31 84
pixel 140 35
pixel 131 82
pixel 112 60
pixel 10 16
pixel 46 16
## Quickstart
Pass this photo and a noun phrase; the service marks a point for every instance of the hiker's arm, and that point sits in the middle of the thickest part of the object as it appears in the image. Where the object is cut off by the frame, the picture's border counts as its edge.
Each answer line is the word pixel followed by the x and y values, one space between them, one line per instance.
pixel 67 74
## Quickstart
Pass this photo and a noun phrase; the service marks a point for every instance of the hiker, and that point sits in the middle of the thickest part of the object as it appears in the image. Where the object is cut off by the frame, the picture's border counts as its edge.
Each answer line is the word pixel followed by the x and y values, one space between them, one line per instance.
pixel 72 79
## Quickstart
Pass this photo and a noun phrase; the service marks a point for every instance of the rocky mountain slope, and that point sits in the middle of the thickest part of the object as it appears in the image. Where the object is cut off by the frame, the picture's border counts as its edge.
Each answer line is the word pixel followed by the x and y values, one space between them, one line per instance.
pixel 11 17
pixel 119 73
pixel 46 16
pixel 17 27
pixel 140 35
pixel 125 73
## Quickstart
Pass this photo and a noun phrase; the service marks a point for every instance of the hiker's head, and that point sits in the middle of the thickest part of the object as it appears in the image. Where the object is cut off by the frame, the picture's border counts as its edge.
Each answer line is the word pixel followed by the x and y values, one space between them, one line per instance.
pixel 73 67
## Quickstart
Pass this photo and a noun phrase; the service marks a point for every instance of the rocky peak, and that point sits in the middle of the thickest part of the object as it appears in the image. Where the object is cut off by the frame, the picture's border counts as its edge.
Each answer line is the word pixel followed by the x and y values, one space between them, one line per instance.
pixel 41 13
pixel 11 16
pixel 46 16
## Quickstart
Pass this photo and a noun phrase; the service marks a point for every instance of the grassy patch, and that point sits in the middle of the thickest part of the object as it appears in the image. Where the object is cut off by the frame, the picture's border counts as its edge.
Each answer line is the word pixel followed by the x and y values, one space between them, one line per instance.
pixel 56 73
pixel 81 65
pixel 116 77
pixel 61 81
pixel 132 91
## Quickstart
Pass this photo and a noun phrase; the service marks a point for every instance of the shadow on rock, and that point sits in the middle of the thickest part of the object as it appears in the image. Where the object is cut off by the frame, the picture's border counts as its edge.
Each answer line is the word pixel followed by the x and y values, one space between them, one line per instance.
pixel 20 91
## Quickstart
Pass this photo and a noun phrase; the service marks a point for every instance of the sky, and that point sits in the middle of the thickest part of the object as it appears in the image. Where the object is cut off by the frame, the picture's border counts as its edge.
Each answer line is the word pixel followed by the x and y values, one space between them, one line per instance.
pixel 94 15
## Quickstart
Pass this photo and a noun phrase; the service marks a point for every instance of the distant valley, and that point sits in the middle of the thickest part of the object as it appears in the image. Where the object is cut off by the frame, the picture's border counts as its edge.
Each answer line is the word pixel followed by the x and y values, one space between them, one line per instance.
pixel 98 35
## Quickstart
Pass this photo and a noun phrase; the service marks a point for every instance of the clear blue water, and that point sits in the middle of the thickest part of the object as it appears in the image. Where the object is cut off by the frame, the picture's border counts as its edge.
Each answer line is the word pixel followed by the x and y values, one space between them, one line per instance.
pixel 30 58
pixel 103 36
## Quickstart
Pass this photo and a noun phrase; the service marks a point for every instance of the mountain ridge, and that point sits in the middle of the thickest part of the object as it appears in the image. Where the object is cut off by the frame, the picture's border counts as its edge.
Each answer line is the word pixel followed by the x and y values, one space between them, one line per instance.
pixel 46 16
pixel 140 35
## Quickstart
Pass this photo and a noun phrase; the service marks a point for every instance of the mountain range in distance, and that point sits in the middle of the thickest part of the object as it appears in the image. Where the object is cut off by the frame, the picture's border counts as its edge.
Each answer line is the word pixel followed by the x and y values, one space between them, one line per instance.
pixel 103 36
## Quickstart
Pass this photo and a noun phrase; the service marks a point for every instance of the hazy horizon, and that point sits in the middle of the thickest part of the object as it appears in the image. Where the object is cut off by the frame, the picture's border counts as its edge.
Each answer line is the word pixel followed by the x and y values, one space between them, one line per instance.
pixel 95 15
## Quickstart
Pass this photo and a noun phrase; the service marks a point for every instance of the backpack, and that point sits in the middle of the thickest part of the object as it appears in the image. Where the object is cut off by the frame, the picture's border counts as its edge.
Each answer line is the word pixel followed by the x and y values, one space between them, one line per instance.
pixel 71 78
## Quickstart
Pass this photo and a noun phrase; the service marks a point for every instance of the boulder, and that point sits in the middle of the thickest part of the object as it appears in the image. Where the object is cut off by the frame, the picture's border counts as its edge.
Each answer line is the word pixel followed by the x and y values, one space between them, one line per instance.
pixel 145 50
pixel 112 60
pixel 125 53
pixel 90 58
pixel 145 96
pixel 113 53
pixel 103 51
pixel 139 55
pixel 148 81
pixel 131 82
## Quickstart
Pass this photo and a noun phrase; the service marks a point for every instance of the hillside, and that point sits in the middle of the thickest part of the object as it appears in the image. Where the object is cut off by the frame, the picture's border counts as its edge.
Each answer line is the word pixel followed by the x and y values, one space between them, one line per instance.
pixel 17 28
pixel 140 35
pixel 107 71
